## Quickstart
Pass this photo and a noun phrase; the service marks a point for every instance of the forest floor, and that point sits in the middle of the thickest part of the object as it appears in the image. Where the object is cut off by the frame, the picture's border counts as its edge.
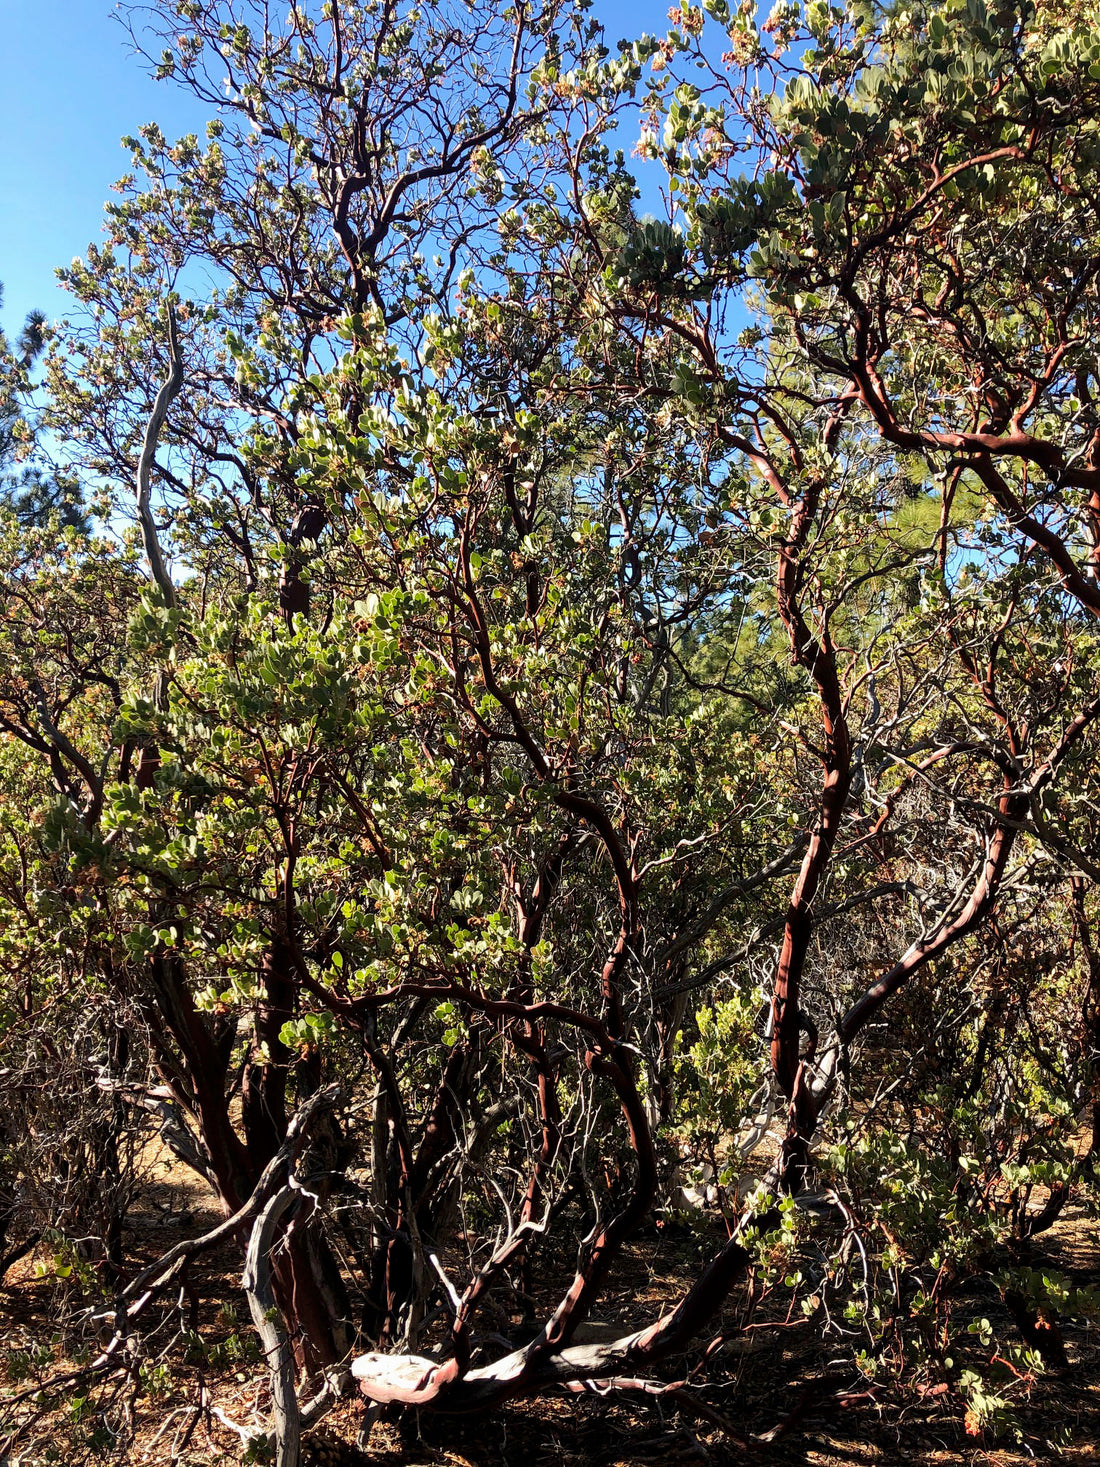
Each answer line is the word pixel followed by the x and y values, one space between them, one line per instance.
pixel 182 1409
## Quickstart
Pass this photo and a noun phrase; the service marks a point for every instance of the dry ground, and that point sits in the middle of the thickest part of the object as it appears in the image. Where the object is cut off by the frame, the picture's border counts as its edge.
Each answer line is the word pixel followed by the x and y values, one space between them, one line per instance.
pixel 182 1410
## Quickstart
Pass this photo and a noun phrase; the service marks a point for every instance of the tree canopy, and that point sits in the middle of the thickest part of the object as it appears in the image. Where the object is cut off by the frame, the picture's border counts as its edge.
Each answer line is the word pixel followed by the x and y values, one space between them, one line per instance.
pixel 557 723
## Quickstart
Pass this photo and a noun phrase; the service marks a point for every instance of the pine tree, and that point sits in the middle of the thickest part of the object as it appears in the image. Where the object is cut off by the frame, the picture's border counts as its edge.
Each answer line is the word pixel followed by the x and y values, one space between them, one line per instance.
pixel 32 490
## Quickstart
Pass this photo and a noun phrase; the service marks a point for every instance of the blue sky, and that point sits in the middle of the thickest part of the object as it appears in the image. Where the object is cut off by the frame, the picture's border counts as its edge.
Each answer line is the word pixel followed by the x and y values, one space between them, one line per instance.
pixel 69 90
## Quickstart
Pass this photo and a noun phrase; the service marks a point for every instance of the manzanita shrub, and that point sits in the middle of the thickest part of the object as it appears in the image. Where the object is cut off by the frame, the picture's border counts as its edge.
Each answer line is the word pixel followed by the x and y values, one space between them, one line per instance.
pixel 551 716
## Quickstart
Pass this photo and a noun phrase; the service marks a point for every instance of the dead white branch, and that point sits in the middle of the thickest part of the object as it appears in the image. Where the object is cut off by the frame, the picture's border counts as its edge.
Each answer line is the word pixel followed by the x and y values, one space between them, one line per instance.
pixel 268 1321
pixel 169 389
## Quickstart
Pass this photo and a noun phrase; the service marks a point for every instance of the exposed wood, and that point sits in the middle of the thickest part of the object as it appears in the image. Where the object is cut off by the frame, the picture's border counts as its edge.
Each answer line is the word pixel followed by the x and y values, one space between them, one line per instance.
pixel 276 1344
pixel 169 390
